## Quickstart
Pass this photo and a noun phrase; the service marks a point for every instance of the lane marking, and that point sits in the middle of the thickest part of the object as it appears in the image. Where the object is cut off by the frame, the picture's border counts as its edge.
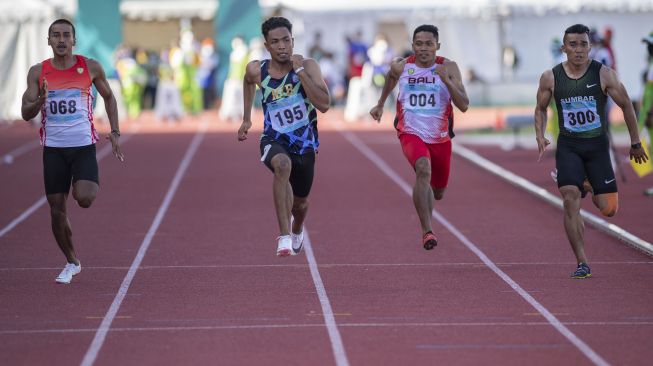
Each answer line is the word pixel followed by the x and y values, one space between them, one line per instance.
pixel 329 319
pixel 100 335
pixel 106 150
pixel 325 265
pixel 11 156
pixel 321 325
pixel 387 170
pixel 514 179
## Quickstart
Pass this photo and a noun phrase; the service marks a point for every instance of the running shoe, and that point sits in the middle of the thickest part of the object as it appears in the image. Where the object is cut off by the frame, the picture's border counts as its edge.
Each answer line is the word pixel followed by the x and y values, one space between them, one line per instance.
pixel 583 271
pixel 648 192
pixel 284 246
pixel 297 242
pixel 554 175
pixel 68 272
pixel 429 241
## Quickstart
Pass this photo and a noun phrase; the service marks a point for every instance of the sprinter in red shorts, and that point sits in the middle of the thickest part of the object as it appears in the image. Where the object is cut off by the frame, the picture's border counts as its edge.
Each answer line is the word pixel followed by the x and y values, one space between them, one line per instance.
pixel 428 84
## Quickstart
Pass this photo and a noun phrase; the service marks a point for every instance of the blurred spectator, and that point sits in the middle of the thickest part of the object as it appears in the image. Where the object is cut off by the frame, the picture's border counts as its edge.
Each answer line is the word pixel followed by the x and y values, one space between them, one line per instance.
pixel 316 51
pixel 232 95
pixel 333 77
pixel 646 109
pixel 356 55
pixel 149 61
pixel 168 99
pixel 132 81
pixel 206 73
pixel 184 61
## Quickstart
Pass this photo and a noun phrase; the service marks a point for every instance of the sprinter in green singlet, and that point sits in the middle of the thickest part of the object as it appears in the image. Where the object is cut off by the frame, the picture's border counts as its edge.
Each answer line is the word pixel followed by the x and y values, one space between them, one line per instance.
pixel 580 88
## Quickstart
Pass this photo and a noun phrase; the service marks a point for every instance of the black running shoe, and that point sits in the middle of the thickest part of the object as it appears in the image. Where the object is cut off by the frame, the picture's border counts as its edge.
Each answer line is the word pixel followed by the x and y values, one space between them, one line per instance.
pixel 429 241
pixel 583 271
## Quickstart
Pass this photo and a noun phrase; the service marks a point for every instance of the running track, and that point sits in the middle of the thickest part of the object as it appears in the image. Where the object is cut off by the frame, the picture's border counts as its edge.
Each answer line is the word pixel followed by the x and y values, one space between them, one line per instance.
pixel 179 266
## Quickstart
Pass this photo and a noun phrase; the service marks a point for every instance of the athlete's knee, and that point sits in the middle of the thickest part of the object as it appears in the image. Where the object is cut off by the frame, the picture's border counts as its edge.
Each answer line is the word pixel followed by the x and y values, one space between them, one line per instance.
pixel 609 206
pixel 57 213
pixel 281 165
pixel 85 202
pixel 438 193
pixel 300 204
pixel 423 168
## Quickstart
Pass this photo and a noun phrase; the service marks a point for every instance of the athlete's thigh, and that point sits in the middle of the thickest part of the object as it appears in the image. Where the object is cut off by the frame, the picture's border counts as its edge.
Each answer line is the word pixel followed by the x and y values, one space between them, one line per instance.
pixel 302 173
pixel 57 173
pixel 84 165
pixel 440 164
pixel 570 165
pixel 269 149
pixel 413 148
pixel 599 170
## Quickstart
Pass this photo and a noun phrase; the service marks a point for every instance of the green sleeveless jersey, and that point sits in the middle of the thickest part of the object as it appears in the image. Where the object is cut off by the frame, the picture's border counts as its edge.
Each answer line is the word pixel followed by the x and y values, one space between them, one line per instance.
pixel 580 102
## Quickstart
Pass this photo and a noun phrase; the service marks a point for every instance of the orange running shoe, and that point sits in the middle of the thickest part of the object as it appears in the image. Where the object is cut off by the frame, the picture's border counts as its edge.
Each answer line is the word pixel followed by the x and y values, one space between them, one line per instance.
pixel 429 241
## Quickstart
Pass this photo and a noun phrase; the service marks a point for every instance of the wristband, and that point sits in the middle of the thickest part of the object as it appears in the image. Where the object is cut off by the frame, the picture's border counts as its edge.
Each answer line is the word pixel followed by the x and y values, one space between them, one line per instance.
pixel 636 146
pixel 116 132
pixel 301 68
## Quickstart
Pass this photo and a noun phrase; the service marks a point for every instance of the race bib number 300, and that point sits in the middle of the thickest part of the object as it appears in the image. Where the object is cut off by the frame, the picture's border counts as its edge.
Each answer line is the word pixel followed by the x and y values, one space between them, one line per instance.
pixel 63 105
pixel 580 116
pixel 288 114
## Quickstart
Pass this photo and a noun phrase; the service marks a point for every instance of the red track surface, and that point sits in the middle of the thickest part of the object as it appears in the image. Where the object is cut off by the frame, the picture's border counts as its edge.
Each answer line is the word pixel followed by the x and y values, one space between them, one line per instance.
pixel 209 289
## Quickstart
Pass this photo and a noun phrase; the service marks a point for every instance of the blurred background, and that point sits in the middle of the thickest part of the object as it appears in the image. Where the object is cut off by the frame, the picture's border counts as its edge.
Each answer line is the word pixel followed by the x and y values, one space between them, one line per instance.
pixel 179 58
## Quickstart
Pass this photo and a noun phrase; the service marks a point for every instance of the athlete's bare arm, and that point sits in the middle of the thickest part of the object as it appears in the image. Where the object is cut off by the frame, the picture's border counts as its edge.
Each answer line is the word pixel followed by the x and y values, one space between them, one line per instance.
pixel 34 96
pixel 615 89
pixel 450 75
pixel 99 79
pixel 544 95
pixel 251 79
pixel 313 82
pixel 391 80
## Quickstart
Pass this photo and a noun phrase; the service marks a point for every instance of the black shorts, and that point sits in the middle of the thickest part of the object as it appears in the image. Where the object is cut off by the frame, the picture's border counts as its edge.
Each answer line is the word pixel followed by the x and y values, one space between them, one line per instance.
pixel 302 166
pixel 61 165
pixel 580 158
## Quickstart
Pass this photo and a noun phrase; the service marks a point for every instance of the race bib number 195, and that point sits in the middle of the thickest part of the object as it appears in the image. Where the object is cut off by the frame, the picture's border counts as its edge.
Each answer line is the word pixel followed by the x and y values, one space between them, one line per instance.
pixel 288 114
pixel 63 105
pixel 580 116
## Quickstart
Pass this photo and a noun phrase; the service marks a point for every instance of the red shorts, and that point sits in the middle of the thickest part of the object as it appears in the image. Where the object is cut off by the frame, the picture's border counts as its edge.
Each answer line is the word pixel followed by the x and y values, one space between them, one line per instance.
pixel 439 155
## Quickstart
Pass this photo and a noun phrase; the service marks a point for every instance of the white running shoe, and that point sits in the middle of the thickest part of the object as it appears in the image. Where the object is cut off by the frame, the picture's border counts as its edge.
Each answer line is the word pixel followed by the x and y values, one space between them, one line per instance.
pixel 297 242
pixel 68 272
pixel 554 175
pixel 284 246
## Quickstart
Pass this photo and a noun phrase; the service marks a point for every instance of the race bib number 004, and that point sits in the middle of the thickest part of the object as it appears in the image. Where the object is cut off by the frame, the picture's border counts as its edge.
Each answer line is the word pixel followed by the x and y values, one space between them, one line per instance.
pixel 421 99
pixel 62 105
pixel 288 114
pixel 580 116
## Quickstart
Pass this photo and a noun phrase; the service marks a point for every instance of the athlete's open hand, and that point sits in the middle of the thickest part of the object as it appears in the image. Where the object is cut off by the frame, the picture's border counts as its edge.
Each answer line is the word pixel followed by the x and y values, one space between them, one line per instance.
pixel 242 131
pixel 376 112
pixel 638 154
pixel 542 143
pixel 115 145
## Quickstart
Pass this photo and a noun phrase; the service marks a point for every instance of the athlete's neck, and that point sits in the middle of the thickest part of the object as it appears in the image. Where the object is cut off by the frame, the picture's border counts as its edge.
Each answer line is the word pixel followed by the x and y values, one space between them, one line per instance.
pixel 63 62
pixel 424 65
pixel 576 71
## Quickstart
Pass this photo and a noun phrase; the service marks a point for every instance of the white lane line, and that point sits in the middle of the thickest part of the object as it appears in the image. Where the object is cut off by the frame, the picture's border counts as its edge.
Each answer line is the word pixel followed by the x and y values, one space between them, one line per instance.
pixel 326 265
pixel 100 335
pixel 106 150
pixel 321 325
pixel 387 170
pixel 514 179
pixel 11 156
pixel 329 320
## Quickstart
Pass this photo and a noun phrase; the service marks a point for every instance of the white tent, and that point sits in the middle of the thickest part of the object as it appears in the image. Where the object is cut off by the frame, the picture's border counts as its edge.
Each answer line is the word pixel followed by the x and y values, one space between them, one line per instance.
pixel 25 28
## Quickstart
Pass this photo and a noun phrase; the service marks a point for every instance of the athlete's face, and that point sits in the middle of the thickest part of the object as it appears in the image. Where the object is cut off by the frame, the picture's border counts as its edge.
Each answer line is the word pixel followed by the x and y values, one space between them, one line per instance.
pixel 577 48
pixel 61 39
pixel 425 45
pixel 279 43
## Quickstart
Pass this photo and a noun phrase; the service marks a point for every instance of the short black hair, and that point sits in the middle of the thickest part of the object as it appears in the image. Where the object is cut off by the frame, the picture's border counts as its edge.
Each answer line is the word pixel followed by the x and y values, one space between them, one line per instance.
pixel 274 23
pixel 576 29
pixel 427 28
pixel 62 21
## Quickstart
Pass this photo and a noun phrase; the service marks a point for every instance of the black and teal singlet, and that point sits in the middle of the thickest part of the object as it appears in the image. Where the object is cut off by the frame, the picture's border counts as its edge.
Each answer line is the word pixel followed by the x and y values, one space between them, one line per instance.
pixel 290 117
pixel 580 102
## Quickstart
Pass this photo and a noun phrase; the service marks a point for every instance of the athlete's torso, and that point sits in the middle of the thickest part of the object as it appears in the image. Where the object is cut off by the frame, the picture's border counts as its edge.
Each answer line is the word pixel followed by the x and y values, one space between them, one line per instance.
pixel 580 102
pixel 290 117
pixel 424 103
pixel 67 115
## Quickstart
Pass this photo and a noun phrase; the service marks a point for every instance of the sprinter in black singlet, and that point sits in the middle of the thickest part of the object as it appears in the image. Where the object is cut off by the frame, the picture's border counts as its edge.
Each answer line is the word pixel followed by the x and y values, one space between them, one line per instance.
pixel 580 88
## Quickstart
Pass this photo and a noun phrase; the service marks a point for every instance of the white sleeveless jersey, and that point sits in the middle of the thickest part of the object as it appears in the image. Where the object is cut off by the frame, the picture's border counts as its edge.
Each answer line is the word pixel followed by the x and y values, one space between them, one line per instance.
pixel 424 103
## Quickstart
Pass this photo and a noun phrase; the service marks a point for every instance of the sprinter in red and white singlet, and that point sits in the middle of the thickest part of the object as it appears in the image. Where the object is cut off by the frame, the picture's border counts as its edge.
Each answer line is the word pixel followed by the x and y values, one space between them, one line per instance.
pixel 60 88
pixel 428 86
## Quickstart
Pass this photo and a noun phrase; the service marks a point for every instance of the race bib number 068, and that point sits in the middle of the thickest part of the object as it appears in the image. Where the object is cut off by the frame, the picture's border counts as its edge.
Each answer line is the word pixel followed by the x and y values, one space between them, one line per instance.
pixel 62 105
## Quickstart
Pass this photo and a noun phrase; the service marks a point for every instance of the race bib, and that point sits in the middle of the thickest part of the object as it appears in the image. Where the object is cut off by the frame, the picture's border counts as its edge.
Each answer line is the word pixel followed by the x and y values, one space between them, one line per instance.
pixel 422 99
pixel 580 116
pixel 288 114
pixel 63 105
